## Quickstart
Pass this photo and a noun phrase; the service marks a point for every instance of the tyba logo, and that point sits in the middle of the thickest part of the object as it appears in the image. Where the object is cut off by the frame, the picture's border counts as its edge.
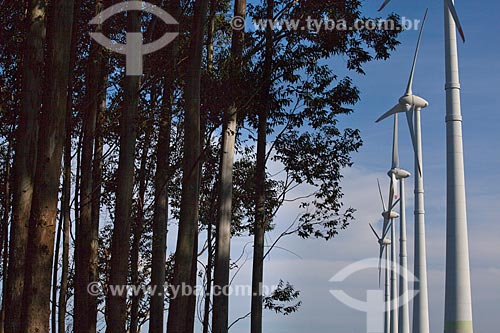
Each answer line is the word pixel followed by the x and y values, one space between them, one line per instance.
pixel 375 304
pixel 134 49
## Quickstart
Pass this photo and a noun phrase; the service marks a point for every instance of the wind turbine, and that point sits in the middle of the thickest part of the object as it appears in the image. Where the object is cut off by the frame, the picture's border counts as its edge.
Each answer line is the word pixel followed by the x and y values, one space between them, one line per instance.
pixel 389 216
pixel 399 312
pixel 412 105
pixel 458 304
pixel 400 316
pixel 401 175
pixel 385 242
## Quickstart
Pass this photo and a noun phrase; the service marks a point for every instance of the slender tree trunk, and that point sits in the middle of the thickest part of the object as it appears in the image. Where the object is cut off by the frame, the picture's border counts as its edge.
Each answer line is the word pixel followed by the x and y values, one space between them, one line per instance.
pixel 97 165
pixel 38 273
pixel 4 243
pixel 138 227
pixel 210 35
pixel 120 248
pixel 209 268
pixel 158 271
pixel 223 248
pixel 84 229
pixel 65 213
pixel 25 161
pixel 178 316
pixel 59 317
pixel 191 316
pixel 260 181
pixel 53 325
pixel 76 197
pixel 160 222
pixel 210 259
pixel 77 180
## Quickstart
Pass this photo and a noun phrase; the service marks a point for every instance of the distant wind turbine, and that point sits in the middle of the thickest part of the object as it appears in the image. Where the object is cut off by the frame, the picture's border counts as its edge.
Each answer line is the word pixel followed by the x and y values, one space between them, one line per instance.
pixel 384 242
pixel 388 214
pixel 403 321
pixel 399 314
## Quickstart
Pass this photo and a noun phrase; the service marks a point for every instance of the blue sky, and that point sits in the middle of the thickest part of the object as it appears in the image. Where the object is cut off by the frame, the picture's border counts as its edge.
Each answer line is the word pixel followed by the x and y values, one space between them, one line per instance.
pixel 383 84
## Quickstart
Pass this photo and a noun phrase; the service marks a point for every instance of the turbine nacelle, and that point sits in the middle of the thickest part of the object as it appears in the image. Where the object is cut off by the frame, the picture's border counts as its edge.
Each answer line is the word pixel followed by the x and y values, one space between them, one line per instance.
pixel 389 215
pixel 385 242
pixel 399 173
pixel 413 101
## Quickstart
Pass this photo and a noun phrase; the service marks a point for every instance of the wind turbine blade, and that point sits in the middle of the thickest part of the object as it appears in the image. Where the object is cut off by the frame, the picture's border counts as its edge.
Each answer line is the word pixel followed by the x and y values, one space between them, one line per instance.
pixel 395 204
pixel 376 235
pixel 392 190
pixel 409 119
pixel 412 73
pixel 387 231
pixel 381 196
pixel 386 2
pixel 384 228
pixel 453 11
pixel 395 144
pixel 397 108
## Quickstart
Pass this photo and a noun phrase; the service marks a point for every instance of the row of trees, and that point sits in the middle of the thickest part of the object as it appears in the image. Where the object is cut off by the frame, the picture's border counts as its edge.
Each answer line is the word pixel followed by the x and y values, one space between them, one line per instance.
pixel 97 165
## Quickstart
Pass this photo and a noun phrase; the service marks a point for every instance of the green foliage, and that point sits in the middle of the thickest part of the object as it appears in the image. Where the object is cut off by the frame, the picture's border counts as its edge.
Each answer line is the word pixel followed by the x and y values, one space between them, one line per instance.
pixel 283 300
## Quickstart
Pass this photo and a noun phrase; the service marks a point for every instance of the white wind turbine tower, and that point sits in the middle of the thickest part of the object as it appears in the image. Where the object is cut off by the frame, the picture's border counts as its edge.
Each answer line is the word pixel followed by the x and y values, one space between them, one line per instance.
pixel 394 286
pixel 394 174
pixel 401 175
pixel 458 303
pixel 412 104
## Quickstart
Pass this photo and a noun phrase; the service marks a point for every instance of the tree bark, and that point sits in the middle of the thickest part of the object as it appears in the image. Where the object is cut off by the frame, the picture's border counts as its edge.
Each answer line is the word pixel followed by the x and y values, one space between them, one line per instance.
pixel 223 246
pixel 160 222
pixel 209 268
pixel 25 160
pixel 178 316
pixel 120 248
pixel 4 243
pixel 66 187
pixel 97 165
pixel 260 182
pixel 77 178
pixel 210 35
pixel 158 271
pixel 191 311
pixel 38 273
pixel 138 227
pixel 210 259
pixel 85 258
pixel 65 213
pixel 53 325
